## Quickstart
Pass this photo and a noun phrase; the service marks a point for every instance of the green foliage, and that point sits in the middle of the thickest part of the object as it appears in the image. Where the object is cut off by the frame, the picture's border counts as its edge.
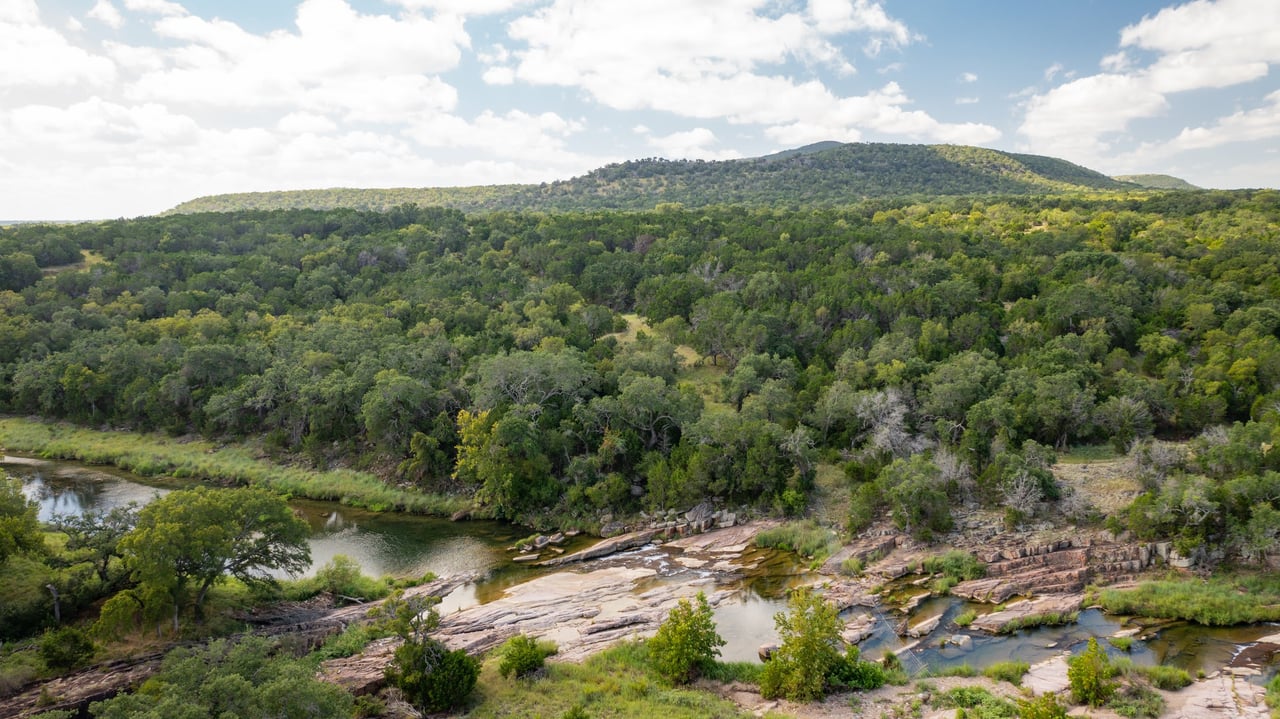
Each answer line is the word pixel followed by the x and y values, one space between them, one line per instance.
pixel 1044 619
pixel 245 678
pixel 1007 671
pixel 1165 677
pixel 1216 602
pixel 976 703
pixel 802 666
pixel 1045 706
pixel 523 655
pixel 965 618
pixel 1136 701
pixel 1090 676
pixel 805 538
pixel 956 564
pixel 432 677
pixel 1121 643
pixel 341 577
pixel 19 530
pixel 65 648
pixel 686 643
pixel 188 540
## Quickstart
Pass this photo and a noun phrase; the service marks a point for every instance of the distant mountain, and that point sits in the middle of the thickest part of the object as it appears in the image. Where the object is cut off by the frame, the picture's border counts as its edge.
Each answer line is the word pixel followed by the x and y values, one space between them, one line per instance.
pixel 825 173
pixel 1157 182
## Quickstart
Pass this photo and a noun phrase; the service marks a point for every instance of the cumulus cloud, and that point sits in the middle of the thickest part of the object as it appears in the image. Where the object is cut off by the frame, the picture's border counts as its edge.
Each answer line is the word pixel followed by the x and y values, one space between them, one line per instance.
pixel 33 55
pixel 1204 44
pixel 717 59
pixel 695 144
pixel 968 77
pixel 106 13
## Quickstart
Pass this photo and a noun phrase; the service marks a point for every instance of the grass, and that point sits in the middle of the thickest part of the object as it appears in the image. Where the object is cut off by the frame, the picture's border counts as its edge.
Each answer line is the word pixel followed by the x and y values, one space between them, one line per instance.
pixel 1011 671
pixel 1045 619
pixel 1089 453
pixel 1168 678
pixel 614 683
pixel 1216 602
pixel 955 564
pixel 975 702
pixel 805 538
pixel 152 455
pixel 965 618
pixel 1121 643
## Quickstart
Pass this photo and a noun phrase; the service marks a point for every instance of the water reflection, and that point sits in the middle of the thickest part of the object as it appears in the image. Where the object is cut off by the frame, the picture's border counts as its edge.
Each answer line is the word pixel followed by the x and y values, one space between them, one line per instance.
pixel 58 489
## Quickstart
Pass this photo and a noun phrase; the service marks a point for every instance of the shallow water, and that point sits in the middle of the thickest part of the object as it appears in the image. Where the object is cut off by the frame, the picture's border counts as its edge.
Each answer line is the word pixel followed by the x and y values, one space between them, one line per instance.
pixel 409 546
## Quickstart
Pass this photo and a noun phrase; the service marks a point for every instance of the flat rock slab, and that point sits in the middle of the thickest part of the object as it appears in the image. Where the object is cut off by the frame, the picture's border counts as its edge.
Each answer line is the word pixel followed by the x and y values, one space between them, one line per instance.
pixel 1222 695
pixel 1047 677
pixel 997 621
pixel 604 548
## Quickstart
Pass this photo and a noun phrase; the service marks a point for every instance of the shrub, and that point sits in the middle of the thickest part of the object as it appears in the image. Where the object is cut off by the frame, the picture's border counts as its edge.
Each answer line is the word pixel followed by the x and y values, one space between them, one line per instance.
pixel 65 648
pixel 522 656
pixel 965 618
pixel 1090 675
pixel 1007 671
pixel 1045 706
pixel 956 564
pixel 433 678
pixel 854 673
pixel 800 668
pixel 976 702
pixel 687 641
pixel 1138 702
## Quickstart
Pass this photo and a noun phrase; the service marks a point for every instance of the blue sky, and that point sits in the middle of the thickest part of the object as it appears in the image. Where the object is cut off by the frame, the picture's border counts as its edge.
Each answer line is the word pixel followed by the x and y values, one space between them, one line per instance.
pixel 125 107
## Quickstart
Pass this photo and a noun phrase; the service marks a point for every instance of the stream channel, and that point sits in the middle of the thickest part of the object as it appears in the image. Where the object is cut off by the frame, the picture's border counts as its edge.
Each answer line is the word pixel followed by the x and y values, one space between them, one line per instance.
pixel 408 545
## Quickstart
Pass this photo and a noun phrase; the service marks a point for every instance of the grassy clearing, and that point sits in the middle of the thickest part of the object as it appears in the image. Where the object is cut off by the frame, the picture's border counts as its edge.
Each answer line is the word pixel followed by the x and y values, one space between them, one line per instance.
pixel 614 683
pixel 1216 602
pixel 152 455
pixel 1011 671
pixel 805 538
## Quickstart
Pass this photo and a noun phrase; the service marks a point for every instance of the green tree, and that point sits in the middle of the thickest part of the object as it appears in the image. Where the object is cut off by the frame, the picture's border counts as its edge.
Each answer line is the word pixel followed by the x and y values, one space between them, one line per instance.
pixel 687 642
pixel 95 535
pixel 809 656
pixel 19 529
pixel 1090 675
pixel 189 540
pixel 523 655
pixel 431 676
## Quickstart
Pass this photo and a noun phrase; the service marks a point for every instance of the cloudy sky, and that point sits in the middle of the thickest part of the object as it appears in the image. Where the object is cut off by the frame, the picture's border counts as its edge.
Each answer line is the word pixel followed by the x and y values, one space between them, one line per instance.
pixel 114 108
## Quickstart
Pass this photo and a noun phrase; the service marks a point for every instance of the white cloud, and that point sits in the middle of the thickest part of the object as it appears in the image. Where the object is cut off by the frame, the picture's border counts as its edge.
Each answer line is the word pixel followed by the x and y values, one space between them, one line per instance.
pixel 463 7
pixel 1197 45
pixel 106 13
pixel 499 76
pixel 967 100
pixel 297 123
pixel 156 7
pixel 35 55
pixel 968 77
pixel 688 145
pixel 1052 71
pixel 711 60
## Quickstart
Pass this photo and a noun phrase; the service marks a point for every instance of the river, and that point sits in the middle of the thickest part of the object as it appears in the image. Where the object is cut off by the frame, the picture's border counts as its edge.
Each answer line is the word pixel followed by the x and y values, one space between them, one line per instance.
pixel 408 546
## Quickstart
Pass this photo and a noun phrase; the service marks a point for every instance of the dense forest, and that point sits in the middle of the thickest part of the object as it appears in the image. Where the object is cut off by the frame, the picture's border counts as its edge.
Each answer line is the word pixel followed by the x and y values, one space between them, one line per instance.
pixel 826 173
pixel 558 367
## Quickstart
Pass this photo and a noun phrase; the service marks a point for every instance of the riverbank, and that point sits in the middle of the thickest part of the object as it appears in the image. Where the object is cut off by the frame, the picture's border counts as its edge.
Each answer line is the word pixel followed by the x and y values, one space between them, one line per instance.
pixel 154 455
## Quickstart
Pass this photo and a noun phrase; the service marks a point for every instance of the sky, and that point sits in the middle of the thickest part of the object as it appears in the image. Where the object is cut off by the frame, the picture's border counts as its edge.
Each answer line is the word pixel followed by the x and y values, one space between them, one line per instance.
pixel 120 108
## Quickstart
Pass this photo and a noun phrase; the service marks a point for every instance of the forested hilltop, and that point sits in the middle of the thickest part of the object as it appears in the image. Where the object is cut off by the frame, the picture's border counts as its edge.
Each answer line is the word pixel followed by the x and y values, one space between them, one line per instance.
pixel 827 173
pixel 932 351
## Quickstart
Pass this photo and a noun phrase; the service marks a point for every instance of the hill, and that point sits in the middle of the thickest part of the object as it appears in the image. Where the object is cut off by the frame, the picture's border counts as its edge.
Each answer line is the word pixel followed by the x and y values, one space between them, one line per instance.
pixel 825 173
pixel 1157 182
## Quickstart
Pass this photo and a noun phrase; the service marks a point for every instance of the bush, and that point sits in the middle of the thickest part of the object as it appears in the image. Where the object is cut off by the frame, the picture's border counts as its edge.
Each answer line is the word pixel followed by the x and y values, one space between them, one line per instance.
pixel 433 678
pixel 854 673
pixel 65 648
pixel 956 564
pixel 801 667
pixel 1121 643
pixel 965 618
pixel 1007 672
pixel 522 656
pixel 1138 702
pixel 1090 675
pixel 687 641
pixel 1045 706
pixel 976 702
